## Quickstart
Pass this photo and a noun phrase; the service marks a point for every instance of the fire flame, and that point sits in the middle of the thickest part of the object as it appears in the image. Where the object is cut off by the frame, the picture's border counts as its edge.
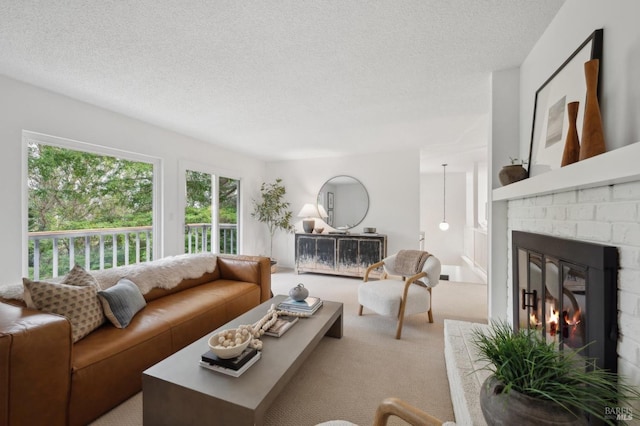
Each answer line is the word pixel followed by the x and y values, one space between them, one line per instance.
pixel 553 322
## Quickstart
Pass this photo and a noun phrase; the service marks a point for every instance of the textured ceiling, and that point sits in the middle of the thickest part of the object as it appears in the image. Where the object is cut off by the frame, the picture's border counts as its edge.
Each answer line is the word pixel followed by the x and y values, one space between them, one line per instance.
pixel 283 79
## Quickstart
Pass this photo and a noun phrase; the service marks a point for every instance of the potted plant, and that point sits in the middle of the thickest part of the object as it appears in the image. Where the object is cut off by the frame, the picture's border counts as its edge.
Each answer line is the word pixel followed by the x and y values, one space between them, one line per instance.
pixel 272 210
pixel 513 172
pixel 534 383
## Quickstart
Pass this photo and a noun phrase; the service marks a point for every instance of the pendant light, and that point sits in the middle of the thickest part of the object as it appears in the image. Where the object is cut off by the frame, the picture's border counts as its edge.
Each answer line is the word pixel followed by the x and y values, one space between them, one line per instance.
pixel 444 225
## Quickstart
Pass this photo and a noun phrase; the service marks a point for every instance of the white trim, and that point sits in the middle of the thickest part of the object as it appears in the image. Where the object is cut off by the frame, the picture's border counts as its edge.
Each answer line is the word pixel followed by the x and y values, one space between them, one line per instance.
pixel 158 172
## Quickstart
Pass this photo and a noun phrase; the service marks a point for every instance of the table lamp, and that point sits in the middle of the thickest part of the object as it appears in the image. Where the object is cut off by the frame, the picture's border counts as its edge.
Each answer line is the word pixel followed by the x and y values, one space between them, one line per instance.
pixel 309 212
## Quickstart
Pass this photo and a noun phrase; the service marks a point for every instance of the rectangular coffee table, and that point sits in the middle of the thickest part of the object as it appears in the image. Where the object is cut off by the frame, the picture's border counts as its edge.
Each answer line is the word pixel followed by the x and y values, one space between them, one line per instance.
pixel 178 391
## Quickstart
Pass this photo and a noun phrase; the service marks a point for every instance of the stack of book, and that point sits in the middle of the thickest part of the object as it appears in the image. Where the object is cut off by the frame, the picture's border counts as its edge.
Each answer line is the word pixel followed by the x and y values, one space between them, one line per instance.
pixel 307 306
pixel 232 366
pixel 282 324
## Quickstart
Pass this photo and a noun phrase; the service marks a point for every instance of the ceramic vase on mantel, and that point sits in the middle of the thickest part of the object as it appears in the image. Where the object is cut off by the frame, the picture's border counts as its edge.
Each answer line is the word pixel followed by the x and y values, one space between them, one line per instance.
pixel 592 141
pixel 571 152
pixel 512 173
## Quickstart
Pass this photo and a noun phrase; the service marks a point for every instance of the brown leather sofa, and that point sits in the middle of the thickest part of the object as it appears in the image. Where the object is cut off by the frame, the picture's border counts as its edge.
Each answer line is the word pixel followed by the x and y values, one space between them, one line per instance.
pixel 45 379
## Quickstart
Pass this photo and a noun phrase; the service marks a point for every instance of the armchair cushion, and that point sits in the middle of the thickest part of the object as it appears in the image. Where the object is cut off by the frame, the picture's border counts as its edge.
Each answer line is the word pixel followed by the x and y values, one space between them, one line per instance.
pixel 431 266
pixel 384 297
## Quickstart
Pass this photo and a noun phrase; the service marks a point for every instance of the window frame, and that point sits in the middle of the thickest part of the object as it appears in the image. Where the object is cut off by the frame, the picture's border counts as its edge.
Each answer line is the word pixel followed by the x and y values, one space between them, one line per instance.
pixel 183 166
pixel 66 143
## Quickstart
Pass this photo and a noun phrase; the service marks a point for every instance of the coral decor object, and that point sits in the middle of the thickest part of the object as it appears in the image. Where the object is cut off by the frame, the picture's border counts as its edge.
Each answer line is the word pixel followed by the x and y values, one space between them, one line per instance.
pixel 571 152
pixel 592 141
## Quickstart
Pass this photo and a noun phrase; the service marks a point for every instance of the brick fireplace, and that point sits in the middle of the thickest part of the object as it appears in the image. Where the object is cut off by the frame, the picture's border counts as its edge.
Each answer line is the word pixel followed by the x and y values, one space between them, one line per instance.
pixel 595 200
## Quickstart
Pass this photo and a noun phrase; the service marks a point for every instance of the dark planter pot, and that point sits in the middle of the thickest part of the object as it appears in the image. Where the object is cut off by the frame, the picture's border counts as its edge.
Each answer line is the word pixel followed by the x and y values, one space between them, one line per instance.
pixel 514 408
pixel 512 173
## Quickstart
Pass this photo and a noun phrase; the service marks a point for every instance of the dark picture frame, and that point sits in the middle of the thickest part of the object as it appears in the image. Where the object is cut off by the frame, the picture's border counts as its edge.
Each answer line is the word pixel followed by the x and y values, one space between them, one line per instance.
pixel 330 200
pixel 550 121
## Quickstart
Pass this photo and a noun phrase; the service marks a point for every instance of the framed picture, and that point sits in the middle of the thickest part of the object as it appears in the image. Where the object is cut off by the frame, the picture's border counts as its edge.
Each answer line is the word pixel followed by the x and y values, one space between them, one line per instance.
pixel 330 218
pixel 550 120
pixel 330 200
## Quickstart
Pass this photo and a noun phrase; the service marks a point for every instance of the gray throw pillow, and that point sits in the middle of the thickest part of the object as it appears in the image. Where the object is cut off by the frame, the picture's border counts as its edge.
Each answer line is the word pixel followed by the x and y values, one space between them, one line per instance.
pixel 122 302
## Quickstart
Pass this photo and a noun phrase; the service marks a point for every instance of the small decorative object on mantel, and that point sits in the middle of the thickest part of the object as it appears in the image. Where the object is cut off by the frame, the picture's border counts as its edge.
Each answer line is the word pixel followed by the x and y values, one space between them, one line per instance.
pixel 513 172
pixel 571 152
pixel 592 133
pixel 368 230
pixel 299 293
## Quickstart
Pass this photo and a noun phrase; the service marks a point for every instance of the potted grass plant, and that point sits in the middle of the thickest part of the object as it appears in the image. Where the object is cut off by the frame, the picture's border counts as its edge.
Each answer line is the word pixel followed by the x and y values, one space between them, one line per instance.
pixel 533 383
pixel 272 210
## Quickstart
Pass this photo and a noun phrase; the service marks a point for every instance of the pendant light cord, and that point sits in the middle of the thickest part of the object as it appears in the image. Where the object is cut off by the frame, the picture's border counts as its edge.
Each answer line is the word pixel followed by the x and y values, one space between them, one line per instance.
pixel 444 192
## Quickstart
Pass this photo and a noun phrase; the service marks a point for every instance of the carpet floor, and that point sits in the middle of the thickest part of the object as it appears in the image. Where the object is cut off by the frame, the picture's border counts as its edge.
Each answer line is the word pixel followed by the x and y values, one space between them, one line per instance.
pixel 347 378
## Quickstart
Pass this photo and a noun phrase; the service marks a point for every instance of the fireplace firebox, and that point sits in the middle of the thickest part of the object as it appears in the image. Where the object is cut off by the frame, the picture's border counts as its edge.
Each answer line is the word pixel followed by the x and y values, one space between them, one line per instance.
pixel 567 290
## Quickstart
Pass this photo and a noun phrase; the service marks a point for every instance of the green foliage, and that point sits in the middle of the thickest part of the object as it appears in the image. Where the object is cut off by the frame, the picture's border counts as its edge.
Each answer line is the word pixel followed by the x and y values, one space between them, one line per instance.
pixel 272 210
pixel 526 363
pixel 78 190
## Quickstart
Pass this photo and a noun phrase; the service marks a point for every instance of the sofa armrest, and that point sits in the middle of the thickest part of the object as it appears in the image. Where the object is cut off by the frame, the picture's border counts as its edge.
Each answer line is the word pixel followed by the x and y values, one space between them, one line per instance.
pixel 252 269
pixel 35 366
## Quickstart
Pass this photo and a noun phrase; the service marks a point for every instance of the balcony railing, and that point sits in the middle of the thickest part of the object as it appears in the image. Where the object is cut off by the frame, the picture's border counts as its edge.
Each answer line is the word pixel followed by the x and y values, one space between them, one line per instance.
pixel 198 238
pixel 53 253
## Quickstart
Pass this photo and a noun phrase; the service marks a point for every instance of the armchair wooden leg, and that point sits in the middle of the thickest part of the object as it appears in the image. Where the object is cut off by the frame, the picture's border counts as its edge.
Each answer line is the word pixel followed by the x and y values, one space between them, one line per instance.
pixel 399 329
pixel 430 316
pixel 360 311
pixel 430 304
pixel 400 319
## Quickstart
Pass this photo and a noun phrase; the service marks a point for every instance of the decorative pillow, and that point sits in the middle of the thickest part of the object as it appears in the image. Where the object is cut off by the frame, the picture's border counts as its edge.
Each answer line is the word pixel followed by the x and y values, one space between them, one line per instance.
pixel 121 302
pixel 78 276
pixel 79 304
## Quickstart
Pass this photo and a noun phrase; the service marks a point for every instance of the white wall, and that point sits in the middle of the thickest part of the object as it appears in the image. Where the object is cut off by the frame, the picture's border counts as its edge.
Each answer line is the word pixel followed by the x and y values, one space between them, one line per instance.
pixel 445 245
pixel 620 105
pixel 25 107
pixel 504 134
pixel 392 180
pixel 620 67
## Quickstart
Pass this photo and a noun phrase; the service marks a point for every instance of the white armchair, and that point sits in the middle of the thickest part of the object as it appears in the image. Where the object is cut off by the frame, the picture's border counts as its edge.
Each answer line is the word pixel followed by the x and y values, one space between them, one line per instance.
pixel 398 294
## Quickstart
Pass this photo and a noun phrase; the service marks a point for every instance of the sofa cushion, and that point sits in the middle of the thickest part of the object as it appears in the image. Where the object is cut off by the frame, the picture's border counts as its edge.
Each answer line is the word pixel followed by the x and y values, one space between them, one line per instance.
pixel 121 302
pixel 79 304
pixel 78 276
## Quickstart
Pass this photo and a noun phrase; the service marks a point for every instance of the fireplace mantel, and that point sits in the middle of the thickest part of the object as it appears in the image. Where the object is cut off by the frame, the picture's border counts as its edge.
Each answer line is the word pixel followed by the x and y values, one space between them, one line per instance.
pixel 613 167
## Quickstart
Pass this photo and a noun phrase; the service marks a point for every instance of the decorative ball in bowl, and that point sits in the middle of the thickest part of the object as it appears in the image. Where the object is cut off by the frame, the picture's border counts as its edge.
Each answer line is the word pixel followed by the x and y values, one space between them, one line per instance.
pixel 229 343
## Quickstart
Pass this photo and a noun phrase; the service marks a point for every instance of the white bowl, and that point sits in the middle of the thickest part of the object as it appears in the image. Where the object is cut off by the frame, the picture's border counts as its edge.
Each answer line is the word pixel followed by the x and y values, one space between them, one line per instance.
pixel 226 352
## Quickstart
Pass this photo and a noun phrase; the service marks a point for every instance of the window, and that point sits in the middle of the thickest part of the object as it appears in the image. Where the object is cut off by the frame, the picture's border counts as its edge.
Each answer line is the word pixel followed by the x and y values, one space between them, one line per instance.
pixel 207 193
pixel 88 205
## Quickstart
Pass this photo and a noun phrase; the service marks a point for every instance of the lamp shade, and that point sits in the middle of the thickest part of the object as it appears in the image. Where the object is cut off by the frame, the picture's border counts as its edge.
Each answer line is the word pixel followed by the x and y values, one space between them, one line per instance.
pixel 308 210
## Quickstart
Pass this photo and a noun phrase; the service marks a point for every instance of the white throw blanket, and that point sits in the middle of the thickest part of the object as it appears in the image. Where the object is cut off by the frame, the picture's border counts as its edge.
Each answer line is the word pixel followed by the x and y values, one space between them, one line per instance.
pixel 165 273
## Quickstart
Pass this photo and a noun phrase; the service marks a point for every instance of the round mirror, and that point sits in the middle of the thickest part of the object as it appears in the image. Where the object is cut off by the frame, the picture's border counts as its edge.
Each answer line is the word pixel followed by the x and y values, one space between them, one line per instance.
pixel 345 201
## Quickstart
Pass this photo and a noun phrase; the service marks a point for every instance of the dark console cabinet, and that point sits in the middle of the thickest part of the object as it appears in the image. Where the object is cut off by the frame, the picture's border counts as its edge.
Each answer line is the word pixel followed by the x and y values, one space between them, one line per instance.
pixel 339 254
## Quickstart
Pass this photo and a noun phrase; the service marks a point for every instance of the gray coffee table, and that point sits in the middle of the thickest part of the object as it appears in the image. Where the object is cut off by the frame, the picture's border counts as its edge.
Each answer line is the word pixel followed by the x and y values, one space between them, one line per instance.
pixel 177 391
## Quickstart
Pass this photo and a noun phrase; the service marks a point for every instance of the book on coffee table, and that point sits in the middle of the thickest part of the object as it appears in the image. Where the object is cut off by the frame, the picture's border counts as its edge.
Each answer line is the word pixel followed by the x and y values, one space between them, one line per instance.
pixel 306 306
pixel 235 363
pixel 231 371
pixel 282 324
